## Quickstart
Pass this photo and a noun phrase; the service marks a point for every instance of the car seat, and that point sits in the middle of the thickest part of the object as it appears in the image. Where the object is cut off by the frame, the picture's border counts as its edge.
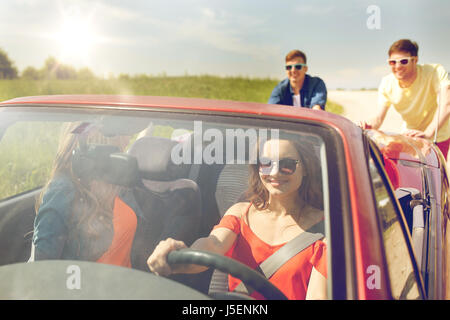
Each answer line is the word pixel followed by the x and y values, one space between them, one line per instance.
pixel 221 186
pixel 170 204
pixel 232 182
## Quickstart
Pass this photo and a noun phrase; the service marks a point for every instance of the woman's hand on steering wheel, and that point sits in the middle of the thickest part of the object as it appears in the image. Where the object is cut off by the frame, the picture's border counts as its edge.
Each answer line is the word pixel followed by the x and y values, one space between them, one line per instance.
pixel 157 262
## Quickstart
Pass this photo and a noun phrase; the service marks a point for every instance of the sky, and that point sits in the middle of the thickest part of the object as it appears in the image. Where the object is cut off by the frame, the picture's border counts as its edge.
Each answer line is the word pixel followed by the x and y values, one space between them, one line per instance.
pixel 345 41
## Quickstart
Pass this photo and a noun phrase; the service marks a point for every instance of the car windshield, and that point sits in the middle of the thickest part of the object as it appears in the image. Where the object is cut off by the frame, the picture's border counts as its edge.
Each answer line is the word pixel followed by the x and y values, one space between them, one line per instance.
pixel 168 174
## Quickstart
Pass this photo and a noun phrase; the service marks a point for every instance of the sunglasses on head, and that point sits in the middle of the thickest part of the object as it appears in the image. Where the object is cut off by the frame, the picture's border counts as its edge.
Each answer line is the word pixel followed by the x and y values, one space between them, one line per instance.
pixel 286 166
pixel 402 61
pixel 297 66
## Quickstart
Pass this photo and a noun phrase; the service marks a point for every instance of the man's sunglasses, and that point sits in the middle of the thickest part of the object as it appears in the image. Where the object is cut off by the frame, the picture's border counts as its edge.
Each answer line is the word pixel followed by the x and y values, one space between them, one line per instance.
pixel 403 61
pixel 286 166
pixel 297 66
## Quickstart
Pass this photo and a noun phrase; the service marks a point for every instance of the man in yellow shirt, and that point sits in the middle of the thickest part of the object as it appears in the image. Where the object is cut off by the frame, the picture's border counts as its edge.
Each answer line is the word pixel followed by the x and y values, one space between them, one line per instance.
pixel 414 90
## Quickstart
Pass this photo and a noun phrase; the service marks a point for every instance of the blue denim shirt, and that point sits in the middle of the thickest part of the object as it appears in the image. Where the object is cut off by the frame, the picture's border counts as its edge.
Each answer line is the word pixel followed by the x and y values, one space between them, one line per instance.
pixel 313 92
pixel 53 223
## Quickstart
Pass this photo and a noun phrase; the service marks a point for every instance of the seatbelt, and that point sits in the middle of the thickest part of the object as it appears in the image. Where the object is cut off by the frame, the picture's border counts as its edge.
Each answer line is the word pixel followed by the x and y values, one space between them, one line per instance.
pixel 269 266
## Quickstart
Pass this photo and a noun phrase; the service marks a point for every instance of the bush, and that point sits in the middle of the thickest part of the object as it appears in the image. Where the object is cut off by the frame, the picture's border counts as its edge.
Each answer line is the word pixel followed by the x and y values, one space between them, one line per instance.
pixel 7 68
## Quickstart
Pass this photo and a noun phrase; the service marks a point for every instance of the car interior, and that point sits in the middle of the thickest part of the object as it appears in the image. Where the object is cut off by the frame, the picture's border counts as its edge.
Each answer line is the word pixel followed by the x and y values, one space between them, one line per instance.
pixel 179 201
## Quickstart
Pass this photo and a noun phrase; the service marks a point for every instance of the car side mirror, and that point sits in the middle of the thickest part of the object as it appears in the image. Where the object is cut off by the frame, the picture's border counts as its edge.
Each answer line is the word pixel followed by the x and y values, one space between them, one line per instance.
pixel 413 204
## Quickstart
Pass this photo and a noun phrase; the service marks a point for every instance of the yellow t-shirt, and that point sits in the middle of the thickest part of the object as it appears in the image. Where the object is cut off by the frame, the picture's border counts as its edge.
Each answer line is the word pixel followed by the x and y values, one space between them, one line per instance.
pixel 417 104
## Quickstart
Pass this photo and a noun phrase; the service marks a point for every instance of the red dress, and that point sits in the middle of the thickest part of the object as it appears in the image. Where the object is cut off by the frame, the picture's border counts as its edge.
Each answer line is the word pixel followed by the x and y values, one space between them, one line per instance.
pixel 124 222
pixel 292 278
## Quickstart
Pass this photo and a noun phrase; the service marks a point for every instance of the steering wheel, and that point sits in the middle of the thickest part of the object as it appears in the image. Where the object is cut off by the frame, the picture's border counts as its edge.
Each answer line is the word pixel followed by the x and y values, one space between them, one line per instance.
pixel 239 270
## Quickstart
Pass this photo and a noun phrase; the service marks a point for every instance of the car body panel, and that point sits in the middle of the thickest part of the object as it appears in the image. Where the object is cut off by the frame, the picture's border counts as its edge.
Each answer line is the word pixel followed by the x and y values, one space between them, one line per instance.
pixel 82 280
pixel 421 165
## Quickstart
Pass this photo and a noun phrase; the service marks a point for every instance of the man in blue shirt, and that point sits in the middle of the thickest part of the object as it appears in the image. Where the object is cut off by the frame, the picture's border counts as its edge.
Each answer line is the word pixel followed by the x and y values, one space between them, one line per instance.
pixel 299 89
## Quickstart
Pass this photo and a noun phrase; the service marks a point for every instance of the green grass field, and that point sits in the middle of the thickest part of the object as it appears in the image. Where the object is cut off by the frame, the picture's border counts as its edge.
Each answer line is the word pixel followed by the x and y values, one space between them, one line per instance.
pixel 210 87
pixel 25 159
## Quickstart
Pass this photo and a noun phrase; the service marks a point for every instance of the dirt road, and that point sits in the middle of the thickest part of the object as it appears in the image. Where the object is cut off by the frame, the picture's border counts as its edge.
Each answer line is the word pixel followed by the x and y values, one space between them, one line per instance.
pixel 362 105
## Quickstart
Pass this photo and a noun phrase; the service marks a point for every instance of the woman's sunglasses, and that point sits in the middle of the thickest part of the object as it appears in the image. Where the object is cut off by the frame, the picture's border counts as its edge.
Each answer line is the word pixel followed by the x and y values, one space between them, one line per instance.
pixel 402 61
pixel 286 166
pixel 297 66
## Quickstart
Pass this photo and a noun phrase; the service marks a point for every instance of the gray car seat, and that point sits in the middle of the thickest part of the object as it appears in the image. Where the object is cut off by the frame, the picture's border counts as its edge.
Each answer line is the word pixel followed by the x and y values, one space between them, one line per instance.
pixel 232 182
pixel 170 203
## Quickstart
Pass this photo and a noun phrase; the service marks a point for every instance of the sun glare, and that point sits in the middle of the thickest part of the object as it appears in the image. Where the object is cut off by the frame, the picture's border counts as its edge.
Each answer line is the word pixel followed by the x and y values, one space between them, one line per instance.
pixel 75 35
pixel 76 38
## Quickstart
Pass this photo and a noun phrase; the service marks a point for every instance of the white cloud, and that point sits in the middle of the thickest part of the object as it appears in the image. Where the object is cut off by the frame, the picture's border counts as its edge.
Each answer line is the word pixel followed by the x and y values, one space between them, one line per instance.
pixel 227 32
pixel 30 3
pixel 226 40
pixel 114 12
pixel 209 13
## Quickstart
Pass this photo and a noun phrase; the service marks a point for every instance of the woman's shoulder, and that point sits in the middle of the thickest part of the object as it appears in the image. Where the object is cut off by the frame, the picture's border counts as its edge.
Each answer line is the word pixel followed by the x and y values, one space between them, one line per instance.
pixel 238 209
pixel 232 219
pixel 61 182
pixel 60 192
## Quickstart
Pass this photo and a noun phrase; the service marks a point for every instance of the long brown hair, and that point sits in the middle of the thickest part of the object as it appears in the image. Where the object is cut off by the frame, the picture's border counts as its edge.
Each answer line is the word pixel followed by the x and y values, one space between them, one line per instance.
pixel 92 209
pixel 311 188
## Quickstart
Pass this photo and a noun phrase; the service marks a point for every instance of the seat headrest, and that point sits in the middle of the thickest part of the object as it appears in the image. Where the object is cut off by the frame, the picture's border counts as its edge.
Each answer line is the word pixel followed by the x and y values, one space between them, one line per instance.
pixel 105 163
pixel 154 159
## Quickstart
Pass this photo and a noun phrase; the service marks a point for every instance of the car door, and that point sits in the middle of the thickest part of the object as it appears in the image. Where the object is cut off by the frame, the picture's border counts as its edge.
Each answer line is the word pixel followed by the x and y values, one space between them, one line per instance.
pixel 417 172
pixel 23 171
pixel 404 278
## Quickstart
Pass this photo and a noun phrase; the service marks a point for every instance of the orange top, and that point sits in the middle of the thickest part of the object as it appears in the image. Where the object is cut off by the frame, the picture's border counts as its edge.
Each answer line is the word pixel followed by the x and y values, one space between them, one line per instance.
pixel 292 278
pixel 125 223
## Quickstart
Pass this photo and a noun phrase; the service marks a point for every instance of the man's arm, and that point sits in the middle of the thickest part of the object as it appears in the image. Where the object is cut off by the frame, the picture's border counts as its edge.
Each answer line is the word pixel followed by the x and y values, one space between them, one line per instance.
pixel 441 117
pixel 383 105
pixel 378 120
pixel 319 96
pixel 275 97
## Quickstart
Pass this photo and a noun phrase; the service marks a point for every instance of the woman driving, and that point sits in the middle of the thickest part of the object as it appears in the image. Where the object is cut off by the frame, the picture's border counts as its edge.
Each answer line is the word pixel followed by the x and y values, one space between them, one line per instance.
pixel 285 195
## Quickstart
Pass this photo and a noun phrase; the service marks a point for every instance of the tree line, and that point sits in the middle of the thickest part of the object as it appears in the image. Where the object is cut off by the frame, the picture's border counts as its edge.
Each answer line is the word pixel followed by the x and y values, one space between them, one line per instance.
pixel 52 69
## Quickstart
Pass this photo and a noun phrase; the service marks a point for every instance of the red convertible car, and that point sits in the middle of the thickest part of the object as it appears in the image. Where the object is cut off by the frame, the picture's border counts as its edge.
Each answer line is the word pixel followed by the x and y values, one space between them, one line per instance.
pixel 184 162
